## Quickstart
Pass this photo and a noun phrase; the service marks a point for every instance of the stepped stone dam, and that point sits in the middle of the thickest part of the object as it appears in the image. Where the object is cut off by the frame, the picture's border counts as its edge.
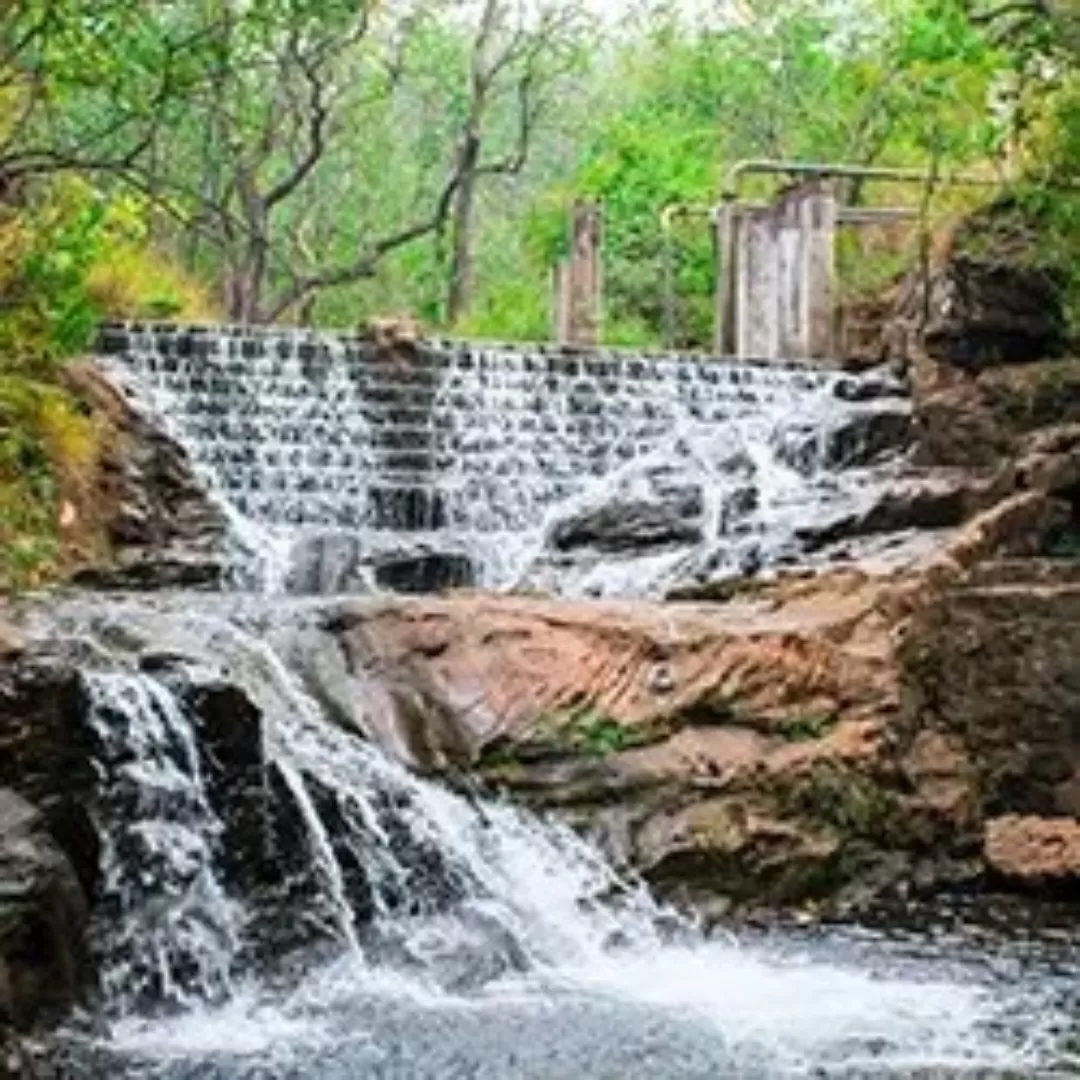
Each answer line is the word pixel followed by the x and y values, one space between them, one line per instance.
pixel 417 465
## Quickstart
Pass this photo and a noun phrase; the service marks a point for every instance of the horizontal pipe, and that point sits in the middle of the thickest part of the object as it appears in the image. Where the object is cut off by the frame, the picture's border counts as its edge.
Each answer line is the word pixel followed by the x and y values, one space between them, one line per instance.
pixel 750 166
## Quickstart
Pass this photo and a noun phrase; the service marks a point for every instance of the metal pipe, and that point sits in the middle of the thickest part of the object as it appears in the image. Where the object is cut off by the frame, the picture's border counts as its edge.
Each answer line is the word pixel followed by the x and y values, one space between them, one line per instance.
pixel 750 166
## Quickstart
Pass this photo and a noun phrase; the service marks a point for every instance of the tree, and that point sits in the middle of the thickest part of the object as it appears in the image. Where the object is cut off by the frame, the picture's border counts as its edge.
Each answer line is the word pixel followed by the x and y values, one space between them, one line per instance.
pixel 88 85
pixel 519 53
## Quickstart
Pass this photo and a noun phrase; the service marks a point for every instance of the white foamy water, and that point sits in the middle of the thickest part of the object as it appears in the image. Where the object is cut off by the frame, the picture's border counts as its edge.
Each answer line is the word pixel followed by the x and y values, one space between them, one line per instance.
pixel 490 942
pixel 333 460
pixel 171 931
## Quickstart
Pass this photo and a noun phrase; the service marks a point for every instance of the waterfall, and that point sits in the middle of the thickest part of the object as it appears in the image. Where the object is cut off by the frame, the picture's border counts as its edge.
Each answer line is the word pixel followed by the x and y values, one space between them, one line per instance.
pixel 171 931
pixel 404 871
pixel 461 912
pixel 281 898
pixel 344 466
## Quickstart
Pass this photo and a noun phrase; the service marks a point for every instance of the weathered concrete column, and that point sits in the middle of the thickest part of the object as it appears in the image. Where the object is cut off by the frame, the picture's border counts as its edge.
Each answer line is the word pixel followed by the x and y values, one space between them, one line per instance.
pixel 727 244
pixel 579 279
pixel 757 286
pixel 777 293
pixel 819 213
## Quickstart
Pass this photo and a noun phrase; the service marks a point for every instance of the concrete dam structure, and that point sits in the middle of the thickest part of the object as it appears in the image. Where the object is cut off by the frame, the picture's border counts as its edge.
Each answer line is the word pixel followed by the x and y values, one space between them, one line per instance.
pixel 438 463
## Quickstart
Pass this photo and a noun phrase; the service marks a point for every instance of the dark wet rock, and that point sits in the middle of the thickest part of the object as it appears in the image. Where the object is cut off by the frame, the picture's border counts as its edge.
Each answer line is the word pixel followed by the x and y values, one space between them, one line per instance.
pixel 628 524
pixel 986 313
pixel 141 570
pixel 937 503
pixel 872 386
pixel 328 563
pixel 46 753
pixel 865 436
pixel 339 563
pixel 424 572
pixel 43 912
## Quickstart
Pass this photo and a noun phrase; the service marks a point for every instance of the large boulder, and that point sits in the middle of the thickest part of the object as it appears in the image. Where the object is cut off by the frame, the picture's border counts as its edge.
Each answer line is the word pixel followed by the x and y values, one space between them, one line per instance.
pixel 43 912
pixel 983 313
pixel 827 738
pixel 633 524
pixel 993 297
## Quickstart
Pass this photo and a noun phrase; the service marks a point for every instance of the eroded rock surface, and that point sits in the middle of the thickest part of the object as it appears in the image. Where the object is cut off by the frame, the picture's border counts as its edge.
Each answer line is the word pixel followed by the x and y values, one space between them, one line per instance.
pixel 818 739
pixel 158 527
pixel 43 912
pixel 1035 852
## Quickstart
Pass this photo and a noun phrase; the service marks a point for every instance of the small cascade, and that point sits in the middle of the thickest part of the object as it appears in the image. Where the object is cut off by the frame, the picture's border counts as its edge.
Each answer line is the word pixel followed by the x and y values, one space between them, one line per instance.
pixel 400 873
pixel 414 862
pixel 345 466
pixel 422 927
pixel 171 932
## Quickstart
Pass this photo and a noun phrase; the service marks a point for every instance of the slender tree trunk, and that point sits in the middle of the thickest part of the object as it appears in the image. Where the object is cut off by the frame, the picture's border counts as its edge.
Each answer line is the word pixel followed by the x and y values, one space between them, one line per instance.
pixel 461 255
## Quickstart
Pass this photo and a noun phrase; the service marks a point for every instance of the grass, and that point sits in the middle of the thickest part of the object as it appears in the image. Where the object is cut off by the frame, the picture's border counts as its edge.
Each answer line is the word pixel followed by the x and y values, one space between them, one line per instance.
pixel 806 728
pixel 68 259
pixel 578 732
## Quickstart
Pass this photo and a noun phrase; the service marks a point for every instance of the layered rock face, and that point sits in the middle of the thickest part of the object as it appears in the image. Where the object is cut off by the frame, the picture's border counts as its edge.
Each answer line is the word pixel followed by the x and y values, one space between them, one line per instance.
pixel 158 527
pixel 830 739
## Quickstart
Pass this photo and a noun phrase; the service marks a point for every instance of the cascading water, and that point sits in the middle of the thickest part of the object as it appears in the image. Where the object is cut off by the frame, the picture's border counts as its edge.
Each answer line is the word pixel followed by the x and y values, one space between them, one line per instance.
pixel 282 899
pixel 471 453
pixel 171 930
pixel 411 932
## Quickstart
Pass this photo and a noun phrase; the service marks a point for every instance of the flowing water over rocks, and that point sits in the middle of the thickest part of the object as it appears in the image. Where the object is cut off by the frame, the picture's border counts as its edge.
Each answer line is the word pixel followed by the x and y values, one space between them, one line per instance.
pixel 277 895
pixel 322 913
pixel 440 464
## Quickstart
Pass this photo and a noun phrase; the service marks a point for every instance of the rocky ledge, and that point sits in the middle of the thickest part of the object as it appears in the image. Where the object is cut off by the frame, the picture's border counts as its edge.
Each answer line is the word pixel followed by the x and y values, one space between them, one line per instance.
pixel 829 741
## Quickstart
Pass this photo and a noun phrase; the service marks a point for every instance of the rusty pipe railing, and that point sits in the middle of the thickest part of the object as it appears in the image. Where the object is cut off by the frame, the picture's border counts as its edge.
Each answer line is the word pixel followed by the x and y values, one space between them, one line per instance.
pixel 722 213
pixel 832 170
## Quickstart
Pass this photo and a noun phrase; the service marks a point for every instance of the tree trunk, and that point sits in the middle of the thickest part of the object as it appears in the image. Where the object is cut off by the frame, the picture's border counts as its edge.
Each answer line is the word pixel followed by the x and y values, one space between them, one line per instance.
pixel 461 255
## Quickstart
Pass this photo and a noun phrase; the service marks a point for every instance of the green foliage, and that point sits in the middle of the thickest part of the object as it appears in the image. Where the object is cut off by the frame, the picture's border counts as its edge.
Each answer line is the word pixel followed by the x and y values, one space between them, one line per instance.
pixel 841 798
pixel 48 312
pixel 588 731
pixel 193 113
pixel 68 258
pixel 806 728
pixel 34 419
pixel 591 732
pixel 514 309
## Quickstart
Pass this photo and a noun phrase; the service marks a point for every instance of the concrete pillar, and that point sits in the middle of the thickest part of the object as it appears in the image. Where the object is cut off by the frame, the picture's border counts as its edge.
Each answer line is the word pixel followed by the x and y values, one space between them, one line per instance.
pixel 819 232
pixel 727 246
pixel 758 289
pixel 579 279
pixel 779 283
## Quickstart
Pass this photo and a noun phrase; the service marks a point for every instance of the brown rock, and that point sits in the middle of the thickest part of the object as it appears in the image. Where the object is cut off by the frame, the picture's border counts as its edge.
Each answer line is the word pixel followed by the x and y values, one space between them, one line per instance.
pixel 1034 850
pixel 152 521
pixel 734 750
pixel 1020 525
pixel 980 422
